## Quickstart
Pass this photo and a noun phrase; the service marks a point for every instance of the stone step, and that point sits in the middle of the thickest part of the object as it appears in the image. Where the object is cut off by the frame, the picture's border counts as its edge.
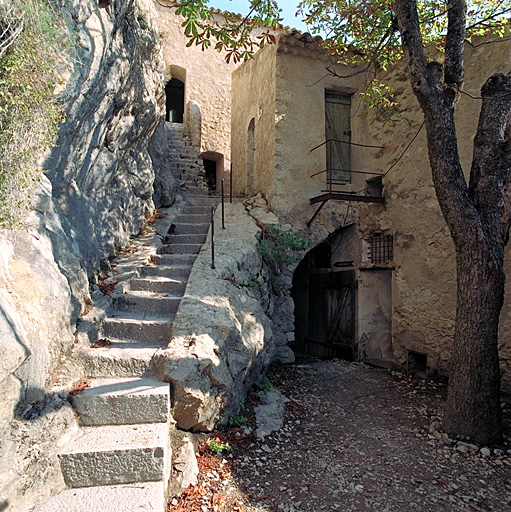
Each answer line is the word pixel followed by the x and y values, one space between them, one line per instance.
pixel 116 454
pixel 186 248
pixel 173 286
pixel 184 228
pixel 195 238
pixel 140 327
pixel 171 260
pixel 152 302
pixel 122 358
pixel 162 269
pixel 143 497
pixel 192 218
pixel 201 200
pixel 202 209
pixel 123 401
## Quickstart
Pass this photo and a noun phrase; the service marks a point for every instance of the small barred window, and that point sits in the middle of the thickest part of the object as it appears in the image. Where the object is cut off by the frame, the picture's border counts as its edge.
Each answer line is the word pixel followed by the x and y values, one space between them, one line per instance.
pixel 381 248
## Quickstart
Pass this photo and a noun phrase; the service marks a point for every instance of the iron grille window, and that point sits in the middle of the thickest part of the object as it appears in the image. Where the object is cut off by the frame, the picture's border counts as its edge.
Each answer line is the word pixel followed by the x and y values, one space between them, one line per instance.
pixel 381 248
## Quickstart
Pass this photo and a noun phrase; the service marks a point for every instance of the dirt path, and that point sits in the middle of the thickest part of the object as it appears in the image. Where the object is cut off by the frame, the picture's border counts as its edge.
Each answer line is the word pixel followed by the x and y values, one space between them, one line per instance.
pixel 355 439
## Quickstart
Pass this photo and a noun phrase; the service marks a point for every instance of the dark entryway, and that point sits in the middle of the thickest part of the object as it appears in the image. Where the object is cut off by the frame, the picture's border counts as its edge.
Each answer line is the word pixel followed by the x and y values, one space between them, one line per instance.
pixel 324 307
pixel 175 100
pixel 210 170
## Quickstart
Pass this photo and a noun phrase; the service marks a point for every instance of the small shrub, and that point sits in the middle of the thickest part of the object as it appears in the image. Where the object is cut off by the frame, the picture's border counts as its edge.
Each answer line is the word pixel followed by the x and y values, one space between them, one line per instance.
pixel 216 445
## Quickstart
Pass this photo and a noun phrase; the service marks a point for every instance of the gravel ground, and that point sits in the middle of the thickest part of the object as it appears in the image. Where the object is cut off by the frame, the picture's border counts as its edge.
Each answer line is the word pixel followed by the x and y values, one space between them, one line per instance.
pixel 354 438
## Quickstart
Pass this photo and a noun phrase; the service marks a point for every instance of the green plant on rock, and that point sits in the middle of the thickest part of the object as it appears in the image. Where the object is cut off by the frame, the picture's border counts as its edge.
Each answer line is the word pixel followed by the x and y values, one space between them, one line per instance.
pixel 29 115
pixel 216 445
pixel 279 249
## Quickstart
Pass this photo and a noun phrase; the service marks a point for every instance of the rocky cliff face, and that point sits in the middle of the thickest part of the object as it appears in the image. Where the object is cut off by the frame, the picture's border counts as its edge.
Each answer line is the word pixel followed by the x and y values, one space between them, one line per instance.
pixel 97 193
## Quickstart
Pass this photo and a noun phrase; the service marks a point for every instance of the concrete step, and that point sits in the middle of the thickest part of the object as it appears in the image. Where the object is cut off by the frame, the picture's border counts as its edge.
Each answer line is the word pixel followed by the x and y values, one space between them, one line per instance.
pixel 168 285
pixel 195 238
pixel 143 497
pixel 123 401
pixel 153 302
pixel 116 454
pixel 137 326
pixel 122 358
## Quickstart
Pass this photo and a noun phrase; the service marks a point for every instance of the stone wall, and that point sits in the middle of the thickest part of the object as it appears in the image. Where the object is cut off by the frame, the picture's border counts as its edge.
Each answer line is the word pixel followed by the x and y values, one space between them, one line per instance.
pixel 96 194
pixel 253 110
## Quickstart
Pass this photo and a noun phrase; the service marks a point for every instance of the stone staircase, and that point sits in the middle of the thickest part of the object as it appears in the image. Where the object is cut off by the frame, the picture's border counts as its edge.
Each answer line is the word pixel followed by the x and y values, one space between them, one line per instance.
pixel 120 458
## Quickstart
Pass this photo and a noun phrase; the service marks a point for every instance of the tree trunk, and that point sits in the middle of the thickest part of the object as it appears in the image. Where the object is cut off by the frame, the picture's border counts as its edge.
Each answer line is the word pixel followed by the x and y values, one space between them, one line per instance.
pixel 478 216
pixel 473 402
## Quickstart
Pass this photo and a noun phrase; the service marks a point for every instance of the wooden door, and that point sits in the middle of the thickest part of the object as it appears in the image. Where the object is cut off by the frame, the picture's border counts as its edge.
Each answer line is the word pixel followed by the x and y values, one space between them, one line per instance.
pixel 331 325
pixel 338 128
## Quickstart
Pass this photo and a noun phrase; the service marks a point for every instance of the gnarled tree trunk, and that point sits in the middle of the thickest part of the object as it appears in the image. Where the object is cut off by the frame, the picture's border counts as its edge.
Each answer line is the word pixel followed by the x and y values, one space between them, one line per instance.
pixel 478 216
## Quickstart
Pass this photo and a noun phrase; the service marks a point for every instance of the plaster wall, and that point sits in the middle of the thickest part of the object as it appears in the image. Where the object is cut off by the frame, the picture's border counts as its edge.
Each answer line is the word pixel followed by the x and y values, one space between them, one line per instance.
pixel 254 99
pixel 302 80
pixel 207 78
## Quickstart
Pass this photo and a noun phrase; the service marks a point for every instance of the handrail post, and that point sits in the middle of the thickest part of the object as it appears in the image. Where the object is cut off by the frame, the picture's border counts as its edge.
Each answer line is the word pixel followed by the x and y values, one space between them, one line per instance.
pixel 330 163
pixel 212 236
pixel 223 205
pixel 230 186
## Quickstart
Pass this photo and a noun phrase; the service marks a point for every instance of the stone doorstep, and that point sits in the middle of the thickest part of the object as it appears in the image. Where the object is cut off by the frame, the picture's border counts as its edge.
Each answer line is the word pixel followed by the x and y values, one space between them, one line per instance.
pixel 141 497
pixel 117 454
pixel 123 401
pixel 121 359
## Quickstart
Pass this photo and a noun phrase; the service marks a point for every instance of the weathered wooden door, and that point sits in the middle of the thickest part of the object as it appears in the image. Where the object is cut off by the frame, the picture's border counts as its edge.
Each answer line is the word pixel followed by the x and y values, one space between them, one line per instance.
pixel 331 325
pixel 338 128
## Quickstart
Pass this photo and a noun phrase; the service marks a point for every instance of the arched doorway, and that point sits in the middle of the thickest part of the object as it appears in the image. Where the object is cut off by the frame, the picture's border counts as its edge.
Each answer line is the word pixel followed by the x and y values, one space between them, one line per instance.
pixel 175 100
pixel 324 300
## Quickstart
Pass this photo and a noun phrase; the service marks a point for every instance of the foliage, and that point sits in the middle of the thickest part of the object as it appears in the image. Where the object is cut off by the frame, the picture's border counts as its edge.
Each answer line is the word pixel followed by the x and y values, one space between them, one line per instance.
pixel 263 386
pixel 216 445
pixel 280 249
pixel 230 32
pixel 29 116
pixel 365 35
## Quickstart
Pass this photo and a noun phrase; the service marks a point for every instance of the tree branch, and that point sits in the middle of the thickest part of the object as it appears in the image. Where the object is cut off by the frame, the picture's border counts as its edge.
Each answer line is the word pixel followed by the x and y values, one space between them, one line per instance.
pixel 454 74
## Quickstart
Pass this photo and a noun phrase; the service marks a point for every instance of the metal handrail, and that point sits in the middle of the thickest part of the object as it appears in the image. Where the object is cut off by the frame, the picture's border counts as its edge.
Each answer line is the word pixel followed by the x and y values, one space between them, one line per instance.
pixel 330 170
pixel 212 236
pixel 346 142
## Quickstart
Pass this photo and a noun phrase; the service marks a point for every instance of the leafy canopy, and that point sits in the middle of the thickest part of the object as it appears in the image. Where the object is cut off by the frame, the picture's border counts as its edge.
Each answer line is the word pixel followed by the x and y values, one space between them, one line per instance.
pixel 365 32
pixel 238 36
pixel 359 33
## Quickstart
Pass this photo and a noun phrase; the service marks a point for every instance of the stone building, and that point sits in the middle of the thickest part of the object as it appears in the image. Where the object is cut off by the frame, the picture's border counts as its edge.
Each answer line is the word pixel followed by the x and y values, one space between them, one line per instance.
pixel 380 284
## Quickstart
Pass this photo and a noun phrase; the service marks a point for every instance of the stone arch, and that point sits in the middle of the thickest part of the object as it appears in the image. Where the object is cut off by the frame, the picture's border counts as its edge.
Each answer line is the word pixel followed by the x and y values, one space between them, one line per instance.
pixel 175 95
